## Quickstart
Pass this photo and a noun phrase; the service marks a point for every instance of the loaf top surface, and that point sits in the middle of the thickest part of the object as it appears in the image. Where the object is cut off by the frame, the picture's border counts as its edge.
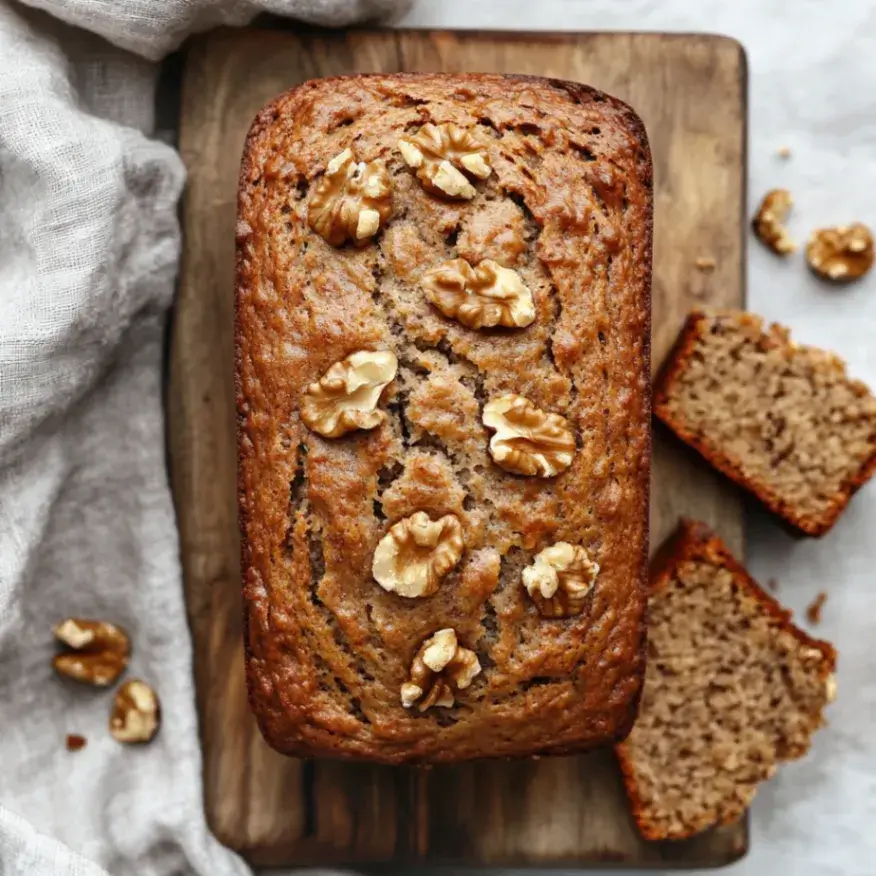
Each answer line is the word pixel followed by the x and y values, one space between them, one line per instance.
pixel 506 256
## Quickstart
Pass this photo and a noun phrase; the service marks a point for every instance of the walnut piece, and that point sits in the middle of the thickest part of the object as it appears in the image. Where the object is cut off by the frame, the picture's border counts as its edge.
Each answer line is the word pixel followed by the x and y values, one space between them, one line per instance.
pixel 136 713
pixel 830 688
pixel 351 200
pixel 443 155
pixel 416 553
pixel 840 254
pixel 559 579
pixel 97 654
pixel 346 396
pixel 528 441
pixel 485 296
pixel 75 742
pixel 769 221
pixel 441 667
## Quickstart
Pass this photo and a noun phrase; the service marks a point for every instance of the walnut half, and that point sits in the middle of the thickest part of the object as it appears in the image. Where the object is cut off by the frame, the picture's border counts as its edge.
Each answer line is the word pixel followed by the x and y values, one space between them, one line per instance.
pixel 768 222
pixel 346 396
pixel 136 712
pixel 840 254
pixel 441 667
pixel 559 579
pixel 443 155
pixel 528 440
pixel 416 553
pixel 351 200
pixel 485 296
pixel 97 654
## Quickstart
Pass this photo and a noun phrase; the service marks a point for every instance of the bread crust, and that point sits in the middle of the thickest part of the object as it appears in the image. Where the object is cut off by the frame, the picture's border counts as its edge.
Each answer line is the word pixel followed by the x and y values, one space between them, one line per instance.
pixel 696 542
pixel 324 662
pixel 674 365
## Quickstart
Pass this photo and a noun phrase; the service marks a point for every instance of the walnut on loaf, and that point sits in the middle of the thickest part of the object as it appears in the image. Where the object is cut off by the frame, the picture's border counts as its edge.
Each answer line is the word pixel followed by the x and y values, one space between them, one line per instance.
pixel 551 182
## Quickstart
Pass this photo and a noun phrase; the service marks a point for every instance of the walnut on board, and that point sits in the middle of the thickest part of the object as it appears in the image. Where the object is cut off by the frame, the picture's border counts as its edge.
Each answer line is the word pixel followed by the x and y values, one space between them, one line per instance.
pixel 783 420
pixel 732 689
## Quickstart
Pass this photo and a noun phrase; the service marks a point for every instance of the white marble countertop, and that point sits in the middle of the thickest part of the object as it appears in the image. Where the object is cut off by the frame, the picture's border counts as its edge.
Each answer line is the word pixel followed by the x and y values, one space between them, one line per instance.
pixel 812 86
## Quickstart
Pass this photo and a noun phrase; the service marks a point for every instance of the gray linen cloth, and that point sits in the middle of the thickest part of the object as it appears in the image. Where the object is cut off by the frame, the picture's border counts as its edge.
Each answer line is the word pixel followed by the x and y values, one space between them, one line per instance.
pixel 89 245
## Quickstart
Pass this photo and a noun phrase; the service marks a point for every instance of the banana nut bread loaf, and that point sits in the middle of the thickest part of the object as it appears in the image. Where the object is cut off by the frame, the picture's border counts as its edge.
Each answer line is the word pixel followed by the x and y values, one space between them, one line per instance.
pixel 443 314
pixel 782 420
pixel 732 689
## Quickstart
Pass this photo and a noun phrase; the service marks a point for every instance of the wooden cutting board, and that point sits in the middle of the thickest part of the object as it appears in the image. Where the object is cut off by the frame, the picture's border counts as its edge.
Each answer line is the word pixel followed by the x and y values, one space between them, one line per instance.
pixel 690 91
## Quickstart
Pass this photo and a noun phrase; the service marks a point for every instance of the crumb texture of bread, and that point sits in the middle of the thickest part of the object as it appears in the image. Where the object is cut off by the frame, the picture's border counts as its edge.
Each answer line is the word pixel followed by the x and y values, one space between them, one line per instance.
pixel 782 420
pixel 732 688
pixel 566 204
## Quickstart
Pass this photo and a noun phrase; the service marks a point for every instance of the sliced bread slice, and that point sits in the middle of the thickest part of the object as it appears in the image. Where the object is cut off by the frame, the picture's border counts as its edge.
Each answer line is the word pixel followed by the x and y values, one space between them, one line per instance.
pixel 782 420
pixel 732 688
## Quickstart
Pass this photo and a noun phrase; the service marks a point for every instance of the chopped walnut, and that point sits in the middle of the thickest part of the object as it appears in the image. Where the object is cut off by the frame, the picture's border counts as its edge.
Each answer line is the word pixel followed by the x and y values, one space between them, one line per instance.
pixel 136 713
pixel 768 222
pixel 830 688
pixel 441 667
pixel 841 254
pixel 813 610
pixel 559 579
pixel 98 651
pixel 75 742
pixel 346 396
pixel 416 553
pixel 480 297
pixel 444 156
pixel 528 441
pixel 351 200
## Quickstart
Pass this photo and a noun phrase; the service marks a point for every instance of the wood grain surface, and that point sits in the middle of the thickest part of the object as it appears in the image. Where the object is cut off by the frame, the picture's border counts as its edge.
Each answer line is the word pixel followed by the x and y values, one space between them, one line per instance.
pixel 690 91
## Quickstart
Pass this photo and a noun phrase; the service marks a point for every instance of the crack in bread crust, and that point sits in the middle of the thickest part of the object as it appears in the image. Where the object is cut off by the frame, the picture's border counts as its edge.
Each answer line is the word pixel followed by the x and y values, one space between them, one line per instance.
pixel 568 207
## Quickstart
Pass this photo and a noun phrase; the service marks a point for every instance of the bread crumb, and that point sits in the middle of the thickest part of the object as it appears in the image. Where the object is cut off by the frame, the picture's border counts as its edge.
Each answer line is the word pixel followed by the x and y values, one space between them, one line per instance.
pixel 813 613
pixel 773 584
pixel 75 742
pixel 705 263
pixel 783 152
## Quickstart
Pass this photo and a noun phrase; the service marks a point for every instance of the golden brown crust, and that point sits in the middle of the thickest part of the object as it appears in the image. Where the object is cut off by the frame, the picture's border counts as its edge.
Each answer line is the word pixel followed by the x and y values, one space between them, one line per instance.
pixel 696 542
pixel 675 364
pixel 327 648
